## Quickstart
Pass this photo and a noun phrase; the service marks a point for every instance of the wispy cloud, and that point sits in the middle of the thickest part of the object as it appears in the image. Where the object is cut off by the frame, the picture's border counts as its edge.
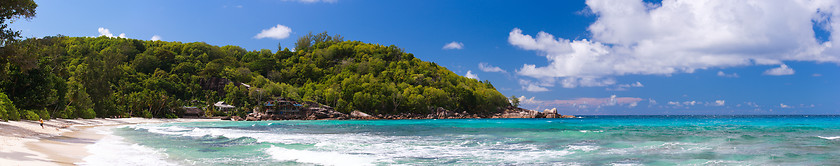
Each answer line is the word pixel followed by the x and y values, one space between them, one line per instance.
pixel 573 82
pixel 533 86
pixel 722 74
pixel 276 32
pixel 453 46
pixel 624 87
pixel 684 103
pixel 720 102
pixel 613 100
pixel 779 71
pixel 488 68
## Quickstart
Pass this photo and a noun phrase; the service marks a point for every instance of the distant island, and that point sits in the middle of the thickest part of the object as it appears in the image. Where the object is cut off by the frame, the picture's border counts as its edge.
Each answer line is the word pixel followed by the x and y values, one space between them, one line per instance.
pixel 87 77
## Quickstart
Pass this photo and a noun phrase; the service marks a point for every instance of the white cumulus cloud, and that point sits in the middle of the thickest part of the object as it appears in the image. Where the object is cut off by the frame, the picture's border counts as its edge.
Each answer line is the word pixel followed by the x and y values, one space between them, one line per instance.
pixel 623 87
pixel 722 74
pixel 779 71
pixel 534 86
pixel 589 81
pixel 681 36
pixel 155 38
pixel 489 68
pixel 276 32
pixel 107 33
pixel 471 75
pixel 526 100
pixel 635 85
pixel 720 102
pixel 453 45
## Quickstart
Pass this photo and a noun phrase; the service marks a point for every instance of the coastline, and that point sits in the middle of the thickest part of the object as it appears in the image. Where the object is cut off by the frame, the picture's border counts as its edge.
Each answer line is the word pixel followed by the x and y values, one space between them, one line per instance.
pixel 62 141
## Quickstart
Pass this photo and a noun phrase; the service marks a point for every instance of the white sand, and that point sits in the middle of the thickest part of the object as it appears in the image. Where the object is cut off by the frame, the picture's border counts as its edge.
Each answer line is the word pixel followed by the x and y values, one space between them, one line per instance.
pixel 61 142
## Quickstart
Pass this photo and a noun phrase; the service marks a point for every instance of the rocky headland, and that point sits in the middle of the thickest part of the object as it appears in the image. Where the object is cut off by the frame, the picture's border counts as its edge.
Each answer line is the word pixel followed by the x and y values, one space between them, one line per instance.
pixel 317 111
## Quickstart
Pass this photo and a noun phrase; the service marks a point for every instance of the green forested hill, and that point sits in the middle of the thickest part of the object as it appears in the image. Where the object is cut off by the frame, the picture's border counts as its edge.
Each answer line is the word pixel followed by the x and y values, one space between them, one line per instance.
pixel 88 77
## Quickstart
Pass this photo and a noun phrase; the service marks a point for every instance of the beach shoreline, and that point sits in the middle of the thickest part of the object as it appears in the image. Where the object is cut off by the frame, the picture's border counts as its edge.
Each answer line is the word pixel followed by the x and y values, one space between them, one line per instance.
pixel 61 141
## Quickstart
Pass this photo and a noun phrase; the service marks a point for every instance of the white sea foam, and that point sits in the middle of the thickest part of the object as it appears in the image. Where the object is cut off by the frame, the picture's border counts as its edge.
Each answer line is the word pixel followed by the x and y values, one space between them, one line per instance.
pixel 656 147
pixel 830 138
pixel 320 158
pixel 596 131
pixel 113 150
pixel 585 148
pixel 194 131
pixel 723 162
pixel 386 149
pixel 623 164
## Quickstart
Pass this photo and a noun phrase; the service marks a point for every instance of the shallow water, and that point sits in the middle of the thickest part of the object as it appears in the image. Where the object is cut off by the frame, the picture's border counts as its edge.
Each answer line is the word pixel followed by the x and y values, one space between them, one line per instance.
pixel 591 140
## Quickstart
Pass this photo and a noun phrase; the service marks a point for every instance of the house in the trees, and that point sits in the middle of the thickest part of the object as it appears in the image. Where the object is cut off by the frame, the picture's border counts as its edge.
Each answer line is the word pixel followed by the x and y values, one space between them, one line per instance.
pixel 222 106
pixel 283 107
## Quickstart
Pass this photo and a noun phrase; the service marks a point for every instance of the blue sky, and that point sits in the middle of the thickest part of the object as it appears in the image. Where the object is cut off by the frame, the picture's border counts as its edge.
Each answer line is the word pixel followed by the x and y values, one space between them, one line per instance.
pixel 582 57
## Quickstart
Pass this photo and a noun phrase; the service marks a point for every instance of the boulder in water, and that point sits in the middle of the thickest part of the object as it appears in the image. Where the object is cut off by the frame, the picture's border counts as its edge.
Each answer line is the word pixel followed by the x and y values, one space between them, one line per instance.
pixel 516 112
pixel 360 115
pixel 551 113
pixel 236 118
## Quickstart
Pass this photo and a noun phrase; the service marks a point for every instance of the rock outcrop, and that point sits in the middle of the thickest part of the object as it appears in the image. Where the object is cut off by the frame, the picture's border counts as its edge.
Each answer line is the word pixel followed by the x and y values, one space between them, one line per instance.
pixel 360 115
pixel 251 118
pixel 441 113
pixel 214 83
pixel 315 111
pixel 567 116
pixel 324 113
pixel 516 112
pixel 551 113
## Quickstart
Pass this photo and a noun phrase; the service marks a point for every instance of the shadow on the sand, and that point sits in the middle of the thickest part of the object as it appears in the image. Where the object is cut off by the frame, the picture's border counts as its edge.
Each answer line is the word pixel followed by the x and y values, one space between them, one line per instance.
pixel 67 139
pixel 21 156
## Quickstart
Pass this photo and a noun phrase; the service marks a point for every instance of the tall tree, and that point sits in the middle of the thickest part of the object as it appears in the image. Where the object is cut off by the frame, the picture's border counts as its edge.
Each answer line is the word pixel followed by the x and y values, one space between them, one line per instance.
pixel 11 10
pixel 514 101
pixel 7 108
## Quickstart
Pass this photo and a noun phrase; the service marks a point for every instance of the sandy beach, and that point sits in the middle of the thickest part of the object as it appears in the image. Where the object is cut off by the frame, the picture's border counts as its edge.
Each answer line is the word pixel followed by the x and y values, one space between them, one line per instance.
pixel 60 142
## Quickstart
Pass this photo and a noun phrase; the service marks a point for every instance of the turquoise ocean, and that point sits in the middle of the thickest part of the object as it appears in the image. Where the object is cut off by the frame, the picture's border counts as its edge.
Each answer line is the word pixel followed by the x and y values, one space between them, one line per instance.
pixel 589 140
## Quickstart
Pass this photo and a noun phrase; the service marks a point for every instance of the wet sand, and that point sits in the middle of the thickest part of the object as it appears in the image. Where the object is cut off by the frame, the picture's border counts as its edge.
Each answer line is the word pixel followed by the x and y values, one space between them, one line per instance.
pixel 61 142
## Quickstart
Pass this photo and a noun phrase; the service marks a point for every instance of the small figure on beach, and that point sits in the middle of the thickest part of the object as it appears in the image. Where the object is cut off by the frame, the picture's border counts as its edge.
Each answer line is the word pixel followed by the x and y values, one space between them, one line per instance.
pixel 42 123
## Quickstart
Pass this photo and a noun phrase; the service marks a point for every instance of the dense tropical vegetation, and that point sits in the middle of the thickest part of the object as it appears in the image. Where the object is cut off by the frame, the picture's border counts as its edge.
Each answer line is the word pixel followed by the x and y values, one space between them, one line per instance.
pixel 71 77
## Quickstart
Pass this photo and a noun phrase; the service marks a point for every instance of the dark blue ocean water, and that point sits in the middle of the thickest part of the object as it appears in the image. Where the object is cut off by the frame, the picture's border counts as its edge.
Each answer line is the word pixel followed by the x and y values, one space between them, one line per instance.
pixel 590 140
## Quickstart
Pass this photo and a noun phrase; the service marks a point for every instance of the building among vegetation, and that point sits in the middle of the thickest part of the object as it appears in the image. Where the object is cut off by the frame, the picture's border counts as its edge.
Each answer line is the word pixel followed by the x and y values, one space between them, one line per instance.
pixel 224 107
pixel 280 106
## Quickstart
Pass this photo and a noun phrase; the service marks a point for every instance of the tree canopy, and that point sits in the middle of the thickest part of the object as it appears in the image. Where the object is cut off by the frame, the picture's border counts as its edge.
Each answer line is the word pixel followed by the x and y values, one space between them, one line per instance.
pixel 11 10
pixel 106 77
